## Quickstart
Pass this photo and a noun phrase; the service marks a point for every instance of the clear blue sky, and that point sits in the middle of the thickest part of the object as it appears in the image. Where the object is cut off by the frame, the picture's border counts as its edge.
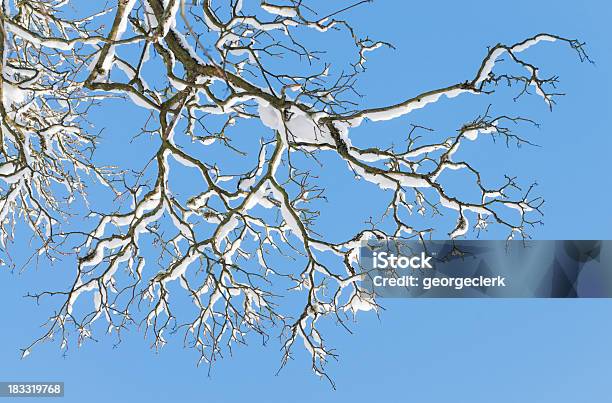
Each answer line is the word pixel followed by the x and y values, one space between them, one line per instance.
pixel 474 351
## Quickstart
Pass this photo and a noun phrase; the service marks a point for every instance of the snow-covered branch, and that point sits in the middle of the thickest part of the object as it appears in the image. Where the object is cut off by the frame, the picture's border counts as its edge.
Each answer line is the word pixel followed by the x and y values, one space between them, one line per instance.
pixel 225 246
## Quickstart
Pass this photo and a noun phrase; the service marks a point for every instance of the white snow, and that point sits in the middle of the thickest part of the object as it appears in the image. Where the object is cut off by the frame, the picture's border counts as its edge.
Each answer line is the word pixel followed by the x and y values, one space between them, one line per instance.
pixel 283 11
pixel 170 15
pixel 411 105
pixel 181 267
pixel 269 115
pixel 461 228
pixel 53 43
pixel 520 47
pixel 487 68
pixel 7 168
pixel 12 94
pixel 121 28
pixel 287 212
pixel 472 134
pixel 358 303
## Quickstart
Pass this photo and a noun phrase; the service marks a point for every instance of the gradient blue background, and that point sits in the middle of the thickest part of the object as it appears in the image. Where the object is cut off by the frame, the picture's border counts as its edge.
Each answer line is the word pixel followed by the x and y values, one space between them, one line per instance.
pixel 418 350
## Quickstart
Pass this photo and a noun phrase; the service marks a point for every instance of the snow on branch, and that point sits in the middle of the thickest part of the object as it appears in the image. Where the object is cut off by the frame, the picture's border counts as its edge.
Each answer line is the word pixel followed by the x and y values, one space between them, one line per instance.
pixel 222 245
